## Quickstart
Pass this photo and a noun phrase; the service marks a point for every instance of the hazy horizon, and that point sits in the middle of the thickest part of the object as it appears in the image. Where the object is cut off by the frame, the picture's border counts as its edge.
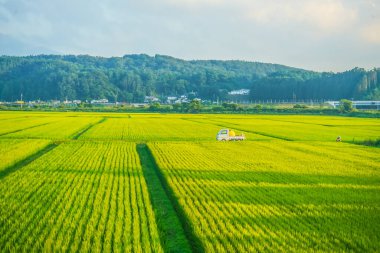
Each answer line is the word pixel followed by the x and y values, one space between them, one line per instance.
pixel 324 35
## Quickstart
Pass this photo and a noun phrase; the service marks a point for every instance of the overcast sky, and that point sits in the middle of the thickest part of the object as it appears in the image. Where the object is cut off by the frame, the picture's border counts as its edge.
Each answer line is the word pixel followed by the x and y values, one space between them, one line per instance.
pixel 328 35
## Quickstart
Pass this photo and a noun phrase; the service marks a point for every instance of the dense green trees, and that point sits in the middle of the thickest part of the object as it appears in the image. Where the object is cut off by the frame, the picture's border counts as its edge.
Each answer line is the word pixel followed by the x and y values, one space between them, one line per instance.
pixel 132 77
pixel 356 83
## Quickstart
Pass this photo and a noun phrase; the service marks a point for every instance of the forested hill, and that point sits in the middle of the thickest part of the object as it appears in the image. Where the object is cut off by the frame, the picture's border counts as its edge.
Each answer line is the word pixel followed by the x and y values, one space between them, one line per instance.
pixel 132 77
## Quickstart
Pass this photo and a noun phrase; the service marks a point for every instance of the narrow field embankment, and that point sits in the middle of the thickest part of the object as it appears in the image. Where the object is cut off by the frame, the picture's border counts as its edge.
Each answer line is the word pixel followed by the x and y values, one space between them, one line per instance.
pixel 175 234
pixel 19 130
pixel 228 125
pixel 27 160
pixel 84 130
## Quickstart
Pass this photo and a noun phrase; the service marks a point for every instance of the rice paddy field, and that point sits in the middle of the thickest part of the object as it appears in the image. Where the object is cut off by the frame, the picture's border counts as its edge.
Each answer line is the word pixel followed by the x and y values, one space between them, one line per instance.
pixel 113 182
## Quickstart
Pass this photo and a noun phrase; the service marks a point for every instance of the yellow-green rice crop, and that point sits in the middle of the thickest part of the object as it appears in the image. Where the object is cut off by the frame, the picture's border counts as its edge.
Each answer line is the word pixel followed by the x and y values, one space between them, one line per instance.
pixel 276 195
pixel 137 128
pixel 79 197
pixel 16 124
pixel 295 129
pixel 13 151
pixel 61 128
pixel 88 191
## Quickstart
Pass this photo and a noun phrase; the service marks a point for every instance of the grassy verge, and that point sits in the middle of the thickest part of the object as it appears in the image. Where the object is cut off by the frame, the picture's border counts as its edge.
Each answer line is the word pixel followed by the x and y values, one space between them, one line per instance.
pixel 370 142
pixel 26 161
pixel 77 135
pixel 19 130
pixel 172 233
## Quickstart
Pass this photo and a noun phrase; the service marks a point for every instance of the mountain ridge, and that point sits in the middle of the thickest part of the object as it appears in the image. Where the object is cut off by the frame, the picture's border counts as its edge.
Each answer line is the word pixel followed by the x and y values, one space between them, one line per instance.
pixel 132 77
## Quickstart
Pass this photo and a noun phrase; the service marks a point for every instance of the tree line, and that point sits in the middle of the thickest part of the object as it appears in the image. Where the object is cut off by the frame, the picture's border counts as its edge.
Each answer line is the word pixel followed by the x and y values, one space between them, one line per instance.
pixel 132 77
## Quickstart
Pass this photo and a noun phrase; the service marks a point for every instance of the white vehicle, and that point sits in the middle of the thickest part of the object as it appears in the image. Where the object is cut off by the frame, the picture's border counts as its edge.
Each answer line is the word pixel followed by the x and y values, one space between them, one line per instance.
pixel 229 135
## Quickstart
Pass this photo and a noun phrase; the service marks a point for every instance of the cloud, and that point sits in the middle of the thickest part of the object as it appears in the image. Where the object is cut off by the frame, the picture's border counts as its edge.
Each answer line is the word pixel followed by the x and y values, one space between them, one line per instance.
pixel 314 34
pixel 198 3
pixel 323 14
pixel 29 25
pixel 371 33
pixel 327 15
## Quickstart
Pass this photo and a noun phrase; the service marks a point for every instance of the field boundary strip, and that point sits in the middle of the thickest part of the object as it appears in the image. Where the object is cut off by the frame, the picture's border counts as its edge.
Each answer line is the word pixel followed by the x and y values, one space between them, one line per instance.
pixel 19 130
pixel 13 118
pixel 27 160
pixel 300 122
pixel 84 130
pixel 175 232
pixel 224 125
pixel 372 143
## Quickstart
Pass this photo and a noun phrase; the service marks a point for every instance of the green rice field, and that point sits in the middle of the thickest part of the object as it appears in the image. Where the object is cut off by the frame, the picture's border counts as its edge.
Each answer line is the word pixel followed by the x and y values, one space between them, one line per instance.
pixel 118 182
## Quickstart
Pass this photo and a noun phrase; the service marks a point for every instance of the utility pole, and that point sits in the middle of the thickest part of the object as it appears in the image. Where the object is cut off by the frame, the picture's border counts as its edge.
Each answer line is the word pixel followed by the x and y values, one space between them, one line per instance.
pixel 21 101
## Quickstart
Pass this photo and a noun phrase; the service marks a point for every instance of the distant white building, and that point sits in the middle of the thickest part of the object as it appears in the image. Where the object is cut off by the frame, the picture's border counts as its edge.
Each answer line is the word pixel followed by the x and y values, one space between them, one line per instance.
pixel 181 99
pixel 74 102
pixel 150 99
pixel 139 105
pixel 171 100
pixel 239 92
pixel 99 101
